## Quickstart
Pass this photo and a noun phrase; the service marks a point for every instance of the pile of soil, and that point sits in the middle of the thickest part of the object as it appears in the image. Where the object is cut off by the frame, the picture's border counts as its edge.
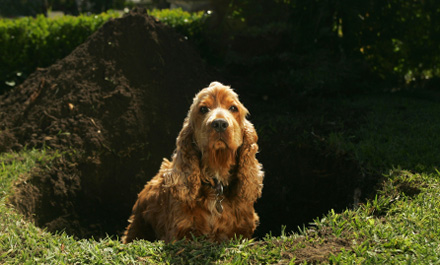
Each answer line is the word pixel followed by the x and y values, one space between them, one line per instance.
pixel 114 107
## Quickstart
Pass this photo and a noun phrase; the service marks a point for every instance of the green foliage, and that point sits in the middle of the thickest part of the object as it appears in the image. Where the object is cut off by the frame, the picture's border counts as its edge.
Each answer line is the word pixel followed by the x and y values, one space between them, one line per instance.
pixel 28 43
pixel 177 18
pixel 408 46
pixel 191 25
pixel 324 46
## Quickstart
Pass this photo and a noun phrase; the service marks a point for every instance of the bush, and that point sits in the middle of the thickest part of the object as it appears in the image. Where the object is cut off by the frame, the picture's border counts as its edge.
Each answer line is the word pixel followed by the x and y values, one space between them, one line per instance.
pixel 397 40
pixel 190 25
pixel 27 43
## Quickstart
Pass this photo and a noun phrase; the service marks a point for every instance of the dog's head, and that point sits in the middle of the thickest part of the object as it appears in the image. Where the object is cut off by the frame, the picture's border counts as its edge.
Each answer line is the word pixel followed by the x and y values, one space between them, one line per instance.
pixel 216 137
pixel 217 118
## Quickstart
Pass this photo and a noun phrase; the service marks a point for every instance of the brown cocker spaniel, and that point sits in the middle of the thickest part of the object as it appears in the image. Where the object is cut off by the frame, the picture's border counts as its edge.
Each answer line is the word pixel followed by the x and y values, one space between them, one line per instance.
pixel 210 186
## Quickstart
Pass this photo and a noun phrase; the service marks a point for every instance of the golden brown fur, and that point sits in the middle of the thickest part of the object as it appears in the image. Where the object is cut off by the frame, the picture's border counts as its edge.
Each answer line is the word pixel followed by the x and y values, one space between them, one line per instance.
pixel 181 200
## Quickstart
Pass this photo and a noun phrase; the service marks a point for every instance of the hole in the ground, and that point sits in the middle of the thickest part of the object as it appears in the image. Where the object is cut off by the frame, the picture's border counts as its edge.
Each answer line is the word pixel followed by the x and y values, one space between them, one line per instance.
pixel 302 184
pixel 90 199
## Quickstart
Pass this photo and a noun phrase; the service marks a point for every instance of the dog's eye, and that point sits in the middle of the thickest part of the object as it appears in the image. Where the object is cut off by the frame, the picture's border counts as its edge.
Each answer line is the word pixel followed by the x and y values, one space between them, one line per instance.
pixel 204 110
pixel 233 109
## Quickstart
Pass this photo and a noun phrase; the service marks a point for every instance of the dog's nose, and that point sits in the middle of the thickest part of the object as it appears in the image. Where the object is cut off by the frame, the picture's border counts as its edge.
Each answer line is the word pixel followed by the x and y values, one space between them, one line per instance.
pixel 219 125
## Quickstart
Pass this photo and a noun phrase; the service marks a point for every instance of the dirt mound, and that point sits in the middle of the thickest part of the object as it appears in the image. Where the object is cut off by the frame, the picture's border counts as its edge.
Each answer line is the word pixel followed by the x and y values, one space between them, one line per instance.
pixel 115 106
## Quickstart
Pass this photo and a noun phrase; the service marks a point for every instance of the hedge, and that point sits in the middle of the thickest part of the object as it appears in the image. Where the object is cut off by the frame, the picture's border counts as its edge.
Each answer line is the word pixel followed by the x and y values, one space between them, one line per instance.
pixel 188 24
pixel 27 43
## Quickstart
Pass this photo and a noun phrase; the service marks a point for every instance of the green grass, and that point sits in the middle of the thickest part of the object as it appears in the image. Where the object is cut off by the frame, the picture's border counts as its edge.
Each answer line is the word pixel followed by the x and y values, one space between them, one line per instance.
pixel 396 135
pixel 394 228
pixel 14 166
pixel 399 130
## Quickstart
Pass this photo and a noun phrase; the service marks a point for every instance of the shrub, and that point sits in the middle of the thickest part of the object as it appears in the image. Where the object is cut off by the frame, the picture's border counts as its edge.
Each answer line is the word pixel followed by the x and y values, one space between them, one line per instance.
pixel 27 43
pixel 190 25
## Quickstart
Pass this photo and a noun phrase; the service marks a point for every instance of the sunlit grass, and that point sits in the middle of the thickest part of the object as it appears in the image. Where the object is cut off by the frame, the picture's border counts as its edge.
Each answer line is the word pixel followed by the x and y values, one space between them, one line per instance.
pixel 14 165
pixel 395 228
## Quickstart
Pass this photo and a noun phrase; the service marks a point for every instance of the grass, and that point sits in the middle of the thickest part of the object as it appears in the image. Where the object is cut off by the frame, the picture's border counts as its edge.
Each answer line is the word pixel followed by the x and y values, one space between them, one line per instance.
pixel 394 228
pixel 399 130
pixel 396 135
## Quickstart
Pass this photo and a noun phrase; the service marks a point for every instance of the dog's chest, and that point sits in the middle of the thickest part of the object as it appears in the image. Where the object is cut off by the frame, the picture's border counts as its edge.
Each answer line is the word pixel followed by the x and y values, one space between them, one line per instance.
pixel 215 206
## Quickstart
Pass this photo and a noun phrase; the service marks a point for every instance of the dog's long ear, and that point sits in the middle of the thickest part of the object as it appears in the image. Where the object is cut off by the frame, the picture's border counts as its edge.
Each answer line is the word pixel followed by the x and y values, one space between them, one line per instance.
pixel 186 169
pixel 250 173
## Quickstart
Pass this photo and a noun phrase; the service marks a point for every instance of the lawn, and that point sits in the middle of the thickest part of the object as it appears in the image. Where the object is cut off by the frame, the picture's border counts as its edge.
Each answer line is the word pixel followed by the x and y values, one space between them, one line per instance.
pixel 396 137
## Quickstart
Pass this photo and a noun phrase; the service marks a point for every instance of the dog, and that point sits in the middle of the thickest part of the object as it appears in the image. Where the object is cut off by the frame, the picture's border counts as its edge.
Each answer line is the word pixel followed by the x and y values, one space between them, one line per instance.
pixel 209 187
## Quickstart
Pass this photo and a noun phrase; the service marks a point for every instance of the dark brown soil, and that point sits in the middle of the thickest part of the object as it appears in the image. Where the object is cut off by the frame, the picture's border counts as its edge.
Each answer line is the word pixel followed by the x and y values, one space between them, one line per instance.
pixel 114 107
